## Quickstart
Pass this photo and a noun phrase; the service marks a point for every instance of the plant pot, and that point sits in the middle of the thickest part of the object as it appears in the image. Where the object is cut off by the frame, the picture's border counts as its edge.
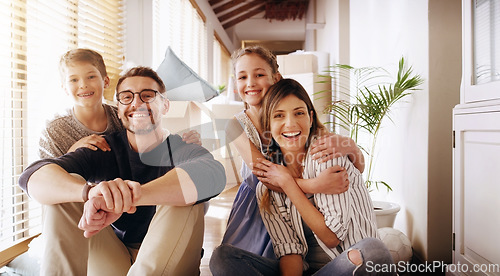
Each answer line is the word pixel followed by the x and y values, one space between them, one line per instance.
pixel 385 213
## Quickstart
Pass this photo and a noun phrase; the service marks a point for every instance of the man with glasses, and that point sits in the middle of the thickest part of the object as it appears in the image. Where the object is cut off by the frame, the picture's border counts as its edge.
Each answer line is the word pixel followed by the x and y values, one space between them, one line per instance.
pixel 147 188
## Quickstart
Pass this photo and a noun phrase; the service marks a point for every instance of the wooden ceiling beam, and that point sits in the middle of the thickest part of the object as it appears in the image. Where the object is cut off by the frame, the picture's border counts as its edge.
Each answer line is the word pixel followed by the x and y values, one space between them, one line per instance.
pixel 245 16
pixel 214 2
pixel 227 6
pixel 236 12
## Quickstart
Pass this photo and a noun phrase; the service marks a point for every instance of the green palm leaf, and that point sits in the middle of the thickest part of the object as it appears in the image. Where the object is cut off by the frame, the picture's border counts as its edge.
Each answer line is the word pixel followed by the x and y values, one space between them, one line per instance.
pixel 372 98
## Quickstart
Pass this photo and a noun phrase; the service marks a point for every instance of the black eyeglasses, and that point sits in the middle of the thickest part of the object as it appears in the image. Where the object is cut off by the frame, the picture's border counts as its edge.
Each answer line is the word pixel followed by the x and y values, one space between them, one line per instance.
pixel 146 96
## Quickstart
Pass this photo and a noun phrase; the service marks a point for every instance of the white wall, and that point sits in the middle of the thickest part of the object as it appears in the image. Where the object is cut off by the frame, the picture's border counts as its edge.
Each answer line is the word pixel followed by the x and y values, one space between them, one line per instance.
pixel 139 32
pixel 139 38
pixel 214 23
pixel 415 151
pixel 380 34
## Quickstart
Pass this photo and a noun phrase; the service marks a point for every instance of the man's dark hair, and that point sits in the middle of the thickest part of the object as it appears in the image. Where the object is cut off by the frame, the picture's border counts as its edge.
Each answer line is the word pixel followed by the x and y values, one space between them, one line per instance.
pixel 142 71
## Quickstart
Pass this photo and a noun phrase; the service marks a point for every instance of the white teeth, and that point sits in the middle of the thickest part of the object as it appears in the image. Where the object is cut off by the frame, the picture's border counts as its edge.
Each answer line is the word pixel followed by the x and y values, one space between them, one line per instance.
pixel 252 93
pixel 290 134
pixel 139 115
pixel 86 94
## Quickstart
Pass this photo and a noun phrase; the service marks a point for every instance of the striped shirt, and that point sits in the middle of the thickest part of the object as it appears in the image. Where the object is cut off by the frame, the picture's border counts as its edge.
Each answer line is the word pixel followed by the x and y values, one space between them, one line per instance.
pixel 349 215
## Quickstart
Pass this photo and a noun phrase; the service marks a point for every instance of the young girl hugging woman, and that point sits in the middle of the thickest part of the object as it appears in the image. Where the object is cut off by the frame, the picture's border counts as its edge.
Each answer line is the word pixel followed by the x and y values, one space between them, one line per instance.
pixel 256 69
pixel 312 233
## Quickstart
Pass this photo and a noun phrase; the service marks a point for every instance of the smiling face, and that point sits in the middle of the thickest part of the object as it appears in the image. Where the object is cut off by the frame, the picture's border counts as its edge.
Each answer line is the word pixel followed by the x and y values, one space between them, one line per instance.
pixel 253 77
pixel 290 124
pixel 139 117
pixel 84 83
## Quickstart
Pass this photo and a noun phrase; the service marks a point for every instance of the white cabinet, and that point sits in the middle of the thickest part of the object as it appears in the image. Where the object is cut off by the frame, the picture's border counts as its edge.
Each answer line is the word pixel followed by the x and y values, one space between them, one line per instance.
pixel 477 187
pixel 476 154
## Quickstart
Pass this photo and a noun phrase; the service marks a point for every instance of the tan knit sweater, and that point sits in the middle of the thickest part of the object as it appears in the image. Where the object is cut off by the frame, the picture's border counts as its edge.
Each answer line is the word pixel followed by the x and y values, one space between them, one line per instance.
pixel 64 130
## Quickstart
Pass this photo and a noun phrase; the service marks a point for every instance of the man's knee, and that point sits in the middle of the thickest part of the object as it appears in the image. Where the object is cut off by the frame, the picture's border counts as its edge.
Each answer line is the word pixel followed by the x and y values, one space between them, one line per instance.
pixel 181 212
pixel 58 217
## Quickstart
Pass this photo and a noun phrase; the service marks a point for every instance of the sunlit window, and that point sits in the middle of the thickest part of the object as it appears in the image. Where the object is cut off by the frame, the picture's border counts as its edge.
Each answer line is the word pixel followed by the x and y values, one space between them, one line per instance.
pixel 33 36
pixel 179 25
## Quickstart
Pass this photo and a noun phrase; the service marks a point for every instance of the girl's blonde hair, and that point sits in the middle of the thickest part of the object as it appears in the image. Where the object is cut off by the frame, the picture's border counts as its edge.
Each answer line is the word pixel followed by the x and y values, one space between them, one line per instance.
pixel 276 93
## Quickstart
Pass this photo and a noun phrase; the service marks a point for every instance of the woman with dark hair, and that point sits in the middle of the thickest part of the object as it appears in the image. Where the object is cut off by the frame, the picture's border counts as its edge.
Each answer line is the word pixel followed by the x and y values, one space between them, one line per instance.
pixel 320 234
pixel 256 69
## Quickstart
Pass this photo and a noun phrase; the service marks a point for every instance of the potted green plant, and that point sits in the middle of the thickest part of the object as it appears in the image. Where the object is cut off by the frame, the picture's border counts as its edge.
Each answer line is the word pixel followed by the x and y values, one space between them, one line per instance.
pixel 369 96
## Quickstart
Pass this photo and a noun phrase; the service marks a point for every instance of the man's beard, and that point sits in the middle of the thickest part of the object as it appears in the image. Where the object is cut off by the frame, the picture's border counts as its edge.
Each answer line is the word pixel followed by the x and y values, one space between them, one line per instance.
pixel 142 131
pixel 147 130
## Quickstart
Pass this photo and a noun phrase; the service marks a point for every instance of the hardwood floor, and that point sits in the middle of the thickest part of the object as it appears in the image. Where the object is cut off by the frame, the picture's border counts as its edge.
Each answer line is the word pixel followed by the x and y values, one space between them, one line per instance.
pixel 215 224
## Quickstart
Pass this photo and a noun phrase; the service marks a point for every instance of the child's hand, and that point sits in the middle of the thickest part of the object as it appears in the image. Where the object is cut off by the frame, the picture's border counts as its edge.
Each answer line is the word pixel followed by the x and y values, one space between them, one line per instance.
pixel 331 146
pixel 92 142
pixel 192 137
pixel 274 174
pixel 333 180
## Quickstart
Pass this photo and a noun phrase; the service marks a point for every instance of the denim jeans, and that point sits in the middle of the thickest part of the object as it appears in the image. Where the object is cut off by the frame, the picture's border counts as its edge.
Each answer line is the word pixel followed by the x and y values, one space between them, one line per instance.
pixel 229 260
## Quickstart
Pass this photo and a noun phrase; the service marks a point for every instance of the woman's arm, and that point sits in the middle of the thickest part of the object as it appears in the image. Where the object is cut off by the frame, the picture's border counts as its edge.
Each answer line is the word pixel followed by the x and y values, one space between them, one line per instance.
pixel 283 233
pixel 337 209
pixel 311 216
pixel 327 182
pixel 280 176
pixel 291 265
pixel 332 180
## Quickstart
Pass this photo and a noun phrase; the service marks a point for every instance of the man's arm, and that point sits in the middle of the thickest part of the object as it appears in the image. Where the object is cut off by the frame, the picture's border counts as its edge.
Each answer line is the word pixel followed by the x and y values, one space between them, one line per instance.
pixel 166 189
pixel 51 184
pixel 174 188
pixel 197 177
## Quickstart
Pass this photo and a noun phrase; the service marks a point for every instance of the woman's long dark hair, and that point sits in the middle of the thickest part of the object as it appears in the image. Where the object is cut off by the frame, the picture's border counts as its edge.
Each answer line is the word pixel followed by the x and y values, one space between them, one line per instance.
pixel 276 93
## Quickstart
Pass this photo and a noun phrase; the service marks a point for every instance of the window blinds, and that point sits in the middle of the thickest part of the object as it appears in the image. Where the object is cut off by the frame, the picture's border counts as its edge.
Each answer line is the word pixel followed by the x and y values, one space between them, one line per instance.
pixel 222 64
pixel 33 36
pixel 486 38
pixel 179 25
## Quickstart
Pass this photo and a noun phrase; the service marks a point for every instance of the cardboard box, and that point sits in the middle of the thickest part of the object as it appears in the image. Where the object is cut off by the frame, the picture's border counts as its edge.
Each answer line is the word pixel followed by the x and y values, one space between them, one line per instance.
pixel 297 63
pixel 209 121
pixel 183 116
pixel 313 84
